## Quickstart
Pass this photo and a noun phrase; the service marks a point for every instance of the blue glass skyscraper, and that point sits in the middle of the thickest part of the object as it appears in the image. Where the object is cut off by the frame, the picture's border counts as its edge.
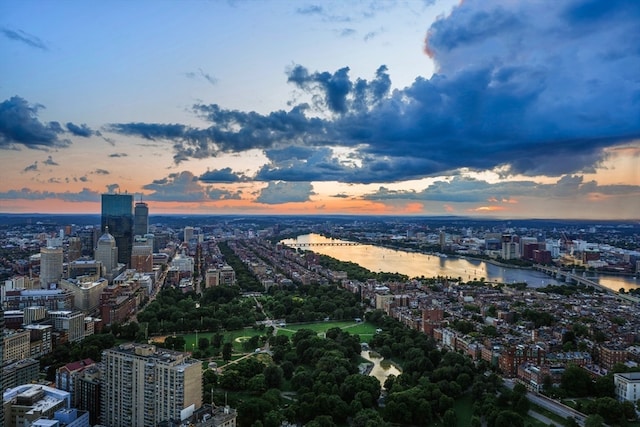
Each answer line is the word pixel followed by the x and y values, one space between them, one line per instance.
pixel 117 214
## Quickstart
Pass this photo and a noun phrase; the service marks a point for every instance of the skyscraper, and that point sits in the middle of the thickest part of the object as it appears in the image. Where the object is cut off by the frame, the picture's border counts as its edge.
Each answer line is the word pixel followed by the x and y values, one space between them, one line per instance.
pixel 117 214
pixel 141 219
pixel 51 263
pixel 107 252
pixel 1 361
pixel 142 386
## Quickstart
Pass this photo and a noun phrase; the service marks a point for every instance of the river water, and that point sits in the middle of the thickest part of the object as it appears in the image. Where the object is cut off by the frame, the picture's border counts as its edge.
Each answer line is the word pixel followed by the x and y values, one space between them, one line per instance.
pixel 412 264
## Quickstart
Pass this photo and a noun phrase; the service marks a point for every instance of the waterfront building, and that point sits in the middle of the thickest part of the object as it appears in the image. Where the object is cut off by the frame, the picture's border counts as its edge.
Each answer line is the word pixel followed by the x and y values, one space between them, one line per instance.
pixel 141 219
pixel 142 386
pixel 51 263
pixel 117 215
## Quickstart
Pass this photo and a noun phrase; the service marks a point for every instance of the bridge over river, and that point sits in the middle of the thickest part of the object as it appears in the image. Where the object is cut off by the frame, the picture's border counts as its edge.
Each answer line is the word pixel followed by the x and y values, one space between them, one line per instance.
pixel 570 276
pixel 309 244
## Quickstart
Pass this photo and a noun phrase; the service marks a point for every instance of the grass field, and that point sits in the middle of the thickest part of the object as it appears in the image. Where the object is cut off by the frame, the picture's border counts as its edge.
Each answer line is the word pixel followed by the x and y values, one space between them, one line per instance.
pixel 363 329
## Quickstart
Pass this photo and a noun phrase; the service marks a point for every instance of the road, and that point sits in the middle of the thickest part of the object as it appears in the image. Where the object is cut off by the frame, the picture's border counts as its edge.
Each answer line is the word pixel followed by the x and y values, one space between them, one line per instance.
pixel 550 405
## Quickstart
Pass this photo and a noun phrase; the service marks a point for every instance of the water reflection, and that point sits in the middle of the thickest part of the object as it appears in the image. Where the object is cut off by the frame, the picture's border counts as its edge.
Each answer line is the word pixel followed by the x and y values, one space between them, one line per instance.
pixel 414 264
pixel 381 367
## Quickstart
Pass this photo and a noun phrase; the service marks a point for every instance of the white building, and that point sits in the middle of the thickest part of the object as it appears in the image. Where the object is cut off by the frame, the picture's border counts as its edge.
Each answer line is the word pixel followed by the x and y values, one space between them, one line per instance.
pixel 627 386
pixel 107 252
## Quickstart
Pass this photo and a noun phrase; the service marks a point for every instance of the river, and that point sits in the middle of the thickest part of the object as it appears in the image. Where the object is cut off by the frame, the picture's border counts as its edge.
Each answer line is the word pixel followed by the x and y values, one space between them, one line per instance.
pixel 412 264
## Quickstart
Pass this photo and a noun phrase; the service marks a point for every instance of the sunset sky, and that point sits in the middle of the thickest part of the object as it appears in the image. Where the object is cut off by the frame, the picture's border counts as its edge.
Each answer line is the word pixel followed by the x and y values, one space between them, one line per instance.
pixel 477 108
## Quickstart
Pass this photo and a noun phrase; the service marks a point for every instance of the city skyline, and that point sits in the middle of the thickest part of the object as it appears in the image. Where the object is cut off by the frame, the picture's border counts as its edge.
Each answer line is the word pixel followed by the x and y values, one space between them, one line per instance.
pixel 476 108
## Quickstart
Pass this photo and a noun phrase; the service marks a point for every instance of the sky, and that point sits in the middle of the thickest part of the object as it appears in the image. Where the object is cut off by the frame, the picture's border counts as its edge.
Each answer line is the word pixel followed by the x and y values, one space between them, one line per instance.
pixel 485 108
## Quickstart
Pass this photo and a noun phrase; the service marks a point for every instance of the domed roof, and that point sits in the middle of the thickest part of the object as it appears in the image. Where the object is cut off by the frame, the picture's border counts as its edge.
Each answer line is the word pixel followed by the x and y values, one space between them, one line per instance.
pixel 106 237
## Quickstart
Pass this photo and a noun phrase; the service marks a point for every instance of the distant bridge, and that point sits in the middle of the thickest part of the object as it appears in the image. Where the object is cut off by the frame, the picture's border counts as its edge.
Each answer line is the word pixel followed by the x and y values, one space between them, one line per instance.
pixel 308 245
pixel 571 277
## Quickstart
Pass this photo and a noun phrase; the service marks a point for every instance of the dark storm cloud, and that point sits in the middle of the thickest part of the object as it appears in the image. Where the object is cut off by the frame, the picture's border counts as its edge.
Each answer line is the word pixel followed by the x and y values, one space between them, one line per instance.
pixel 185 187
pixel 533 88
pixel 85 195
pixel 118 155
pixel 19 124
pixel 285 192
pixel 337 92
pixel 225 175
pixel 82 130
pixel 26 38
pixel 150 131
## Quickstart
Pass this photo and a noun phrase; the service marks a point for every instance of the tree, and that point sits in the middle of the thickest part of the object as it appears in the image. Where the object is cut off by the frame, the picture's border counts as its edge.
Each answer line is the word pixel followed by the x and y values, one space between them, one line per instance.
pixel 576 381
pixel 450 418
pixel 594 420
pixel 203 343
pixel 273 376
pixel 509 419
pixel 227 348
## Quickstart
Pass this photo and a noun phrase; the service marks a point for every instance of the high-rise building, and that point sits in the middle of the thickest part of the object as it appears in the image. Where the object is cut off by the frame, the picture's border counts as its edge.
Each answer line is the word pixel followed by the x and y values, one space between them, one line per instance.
pixel 117 214
pixel 75 249
pixel 107 252
pixel 142 386
pixel 188 233
pixel 51 261
pixel 141 219
pixel 1 361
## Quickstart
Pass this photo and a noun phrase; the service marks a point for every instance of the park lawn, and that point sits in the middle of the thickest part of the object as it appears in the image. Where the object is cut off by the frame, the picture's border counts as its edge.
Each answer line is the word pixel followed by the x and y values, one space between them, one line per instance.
pixel 364 329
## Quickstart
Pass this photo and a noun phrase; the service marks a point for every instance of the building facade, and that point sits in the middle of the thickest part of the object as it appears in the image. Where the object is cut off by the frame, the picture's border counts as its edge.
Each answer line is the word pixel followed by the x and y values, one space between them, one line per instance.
pixel 141 219
pixel 117 214
pixel 627 386
pixel 142 386
pixel 51 262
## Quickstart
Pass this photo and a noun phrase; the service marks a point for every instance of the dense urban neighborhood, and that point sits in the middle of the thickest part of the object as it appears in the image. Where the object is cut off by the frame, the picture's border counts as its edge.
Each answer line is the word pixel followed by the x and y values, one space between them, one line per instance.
pixel 137 320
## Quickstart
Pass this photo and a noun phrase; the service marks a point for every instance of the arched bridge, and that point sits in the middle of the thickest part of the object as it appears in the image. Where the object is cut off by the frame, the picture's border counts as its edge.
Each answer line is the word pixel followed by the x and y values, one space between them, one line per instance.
pixel 308 245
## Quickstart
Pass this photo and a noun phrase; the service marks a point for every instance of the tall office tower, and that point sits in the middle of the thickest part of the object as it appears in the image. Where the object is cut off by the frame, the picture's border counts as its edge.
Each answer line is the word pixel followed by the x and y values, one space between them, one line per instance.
pixel 88 237
pixel 117 214
pixel 1 361
pixel 142 386
pixel 75 249
pixel 141 219
pixel 142 255
pixel 51 260
pixel 107 252
pixel 188 233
